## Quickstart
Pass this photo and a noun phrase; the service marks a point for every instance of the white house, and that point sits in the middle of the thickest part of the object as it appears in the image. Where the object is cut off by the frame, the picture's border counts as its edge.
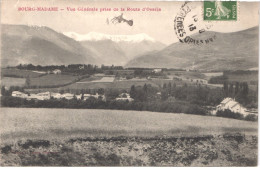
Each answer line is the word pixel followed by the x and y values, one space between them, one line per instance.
pixel 56 95
pixel 57 71
pixel 19 94
pixel 43 96
pixel 78 96
pixel 157 70
pixel 96 96
pixel 232 105
pixel 68 96
pixel 32 96
pixel 82 67
pixel 124 97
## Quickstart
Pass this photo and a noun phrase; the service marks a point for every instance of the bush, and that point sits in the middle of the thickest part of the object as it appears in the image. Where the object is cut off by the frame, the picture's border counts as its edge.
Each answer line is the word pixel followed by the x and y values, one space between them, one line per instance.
pixel 251 117
pixel 229 114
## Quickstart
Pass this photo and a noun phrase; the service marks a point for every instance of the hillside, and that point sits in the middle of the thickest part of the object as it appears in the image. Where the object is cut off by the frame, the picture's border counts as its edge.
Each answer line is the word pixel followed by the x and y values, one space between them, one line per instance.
pixel 40 46
pixel 229 51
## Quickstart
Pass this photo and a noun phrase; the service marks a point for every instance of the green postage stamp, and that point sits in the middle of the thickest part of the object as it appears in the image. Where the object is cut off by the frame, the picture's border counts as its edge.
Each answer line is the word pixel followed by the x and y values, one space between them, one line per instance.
pixel 220 10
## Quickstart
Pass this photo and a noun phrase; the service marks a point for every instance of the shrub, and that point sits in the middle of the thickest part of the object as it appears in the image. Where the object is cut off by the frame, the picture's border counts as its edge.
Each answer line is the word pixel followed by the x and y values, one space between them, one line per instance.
pixel 229 114
pixel 251 117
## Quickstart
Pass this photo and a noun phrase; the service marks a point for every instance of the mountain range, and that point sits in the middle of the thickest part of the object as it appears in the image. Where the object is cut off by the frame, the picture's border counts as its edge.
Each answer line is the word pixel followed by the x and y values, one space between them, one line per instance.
pixel 40 46
pixel 116 49
pixel 229 51
pixel 44 46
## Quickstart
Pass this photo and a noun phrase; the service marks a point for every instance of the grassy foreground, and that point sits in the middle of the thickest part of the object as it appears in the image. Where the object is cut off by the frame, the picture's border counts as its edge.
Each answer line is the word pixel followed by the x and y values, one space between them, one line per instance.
pixel 69 137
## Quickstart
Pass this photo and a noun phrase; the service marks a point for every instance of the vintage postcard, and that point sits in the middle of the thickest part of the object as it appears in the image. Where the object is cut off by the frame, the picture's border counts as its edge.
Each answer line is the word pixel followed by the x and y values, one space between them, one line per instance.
pixel 121 83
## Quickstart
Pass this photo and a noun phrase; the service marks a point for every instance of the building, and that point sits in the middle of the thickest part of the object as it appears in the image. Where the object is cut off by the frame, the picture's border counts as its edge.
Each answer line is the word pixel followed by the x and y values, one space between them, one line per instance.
pixel 57 71
pixel 32 97
pixel 96 96
pixel 56 95
pixel 124 97
pixel 232 105
pixel 78 96
pixel 68 96
pixel 82 67
pixel 19 94
pixel 48 95
pixel 43 96
pixel 157 70
pixel 86 96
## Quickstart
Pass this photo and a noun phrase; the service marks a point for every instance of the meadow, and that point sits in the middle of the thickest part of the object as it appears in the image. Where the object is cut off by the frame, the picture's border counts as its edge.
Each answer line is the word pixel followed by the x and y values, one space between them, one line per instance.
pixel 12 81
pixel 52 80
pixel 59 124
pixel 19 73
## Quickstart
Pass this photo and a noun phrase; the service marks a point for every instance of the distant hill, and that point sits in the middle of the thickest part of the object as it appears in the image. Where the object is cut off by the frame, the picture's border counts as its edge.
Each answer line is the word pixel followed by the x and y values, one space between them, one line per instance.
pixel 116 49
pixel 229 51
pixel 40 46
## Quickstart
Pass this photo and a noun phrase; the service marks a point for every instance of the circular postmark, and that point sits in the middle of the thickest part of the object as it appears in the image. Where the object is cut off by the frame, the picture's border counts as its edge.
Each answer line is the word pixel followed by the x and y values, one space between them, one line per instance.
pixel 190 27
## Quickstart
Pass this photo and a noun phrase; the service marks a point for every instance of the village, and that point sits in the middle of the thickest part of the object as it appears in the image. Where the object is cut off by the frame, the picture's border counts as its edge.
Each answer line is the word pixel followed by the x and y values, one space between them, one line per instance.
pixel 170 90
pixel 68 96
pixel 227 104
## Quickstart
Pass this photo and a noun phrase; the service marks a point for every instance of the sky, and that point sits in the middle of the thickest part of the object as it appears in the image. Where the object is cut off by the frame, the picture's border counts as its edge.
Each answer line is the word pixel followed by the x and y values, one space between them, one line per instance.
pixel 158 25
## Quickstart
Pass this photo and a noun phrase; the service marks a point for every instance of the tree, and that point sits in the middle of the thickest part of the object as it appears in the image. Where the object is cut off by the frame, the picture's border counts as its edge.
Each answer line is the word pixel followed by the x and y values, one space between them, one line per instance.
pixel 164 86
pixel 225 87
pixel 145 88
pixel 101 91
pixel 236 88
pixel 133 92
pixel 82 96
pixel 231 90
pixel 3 91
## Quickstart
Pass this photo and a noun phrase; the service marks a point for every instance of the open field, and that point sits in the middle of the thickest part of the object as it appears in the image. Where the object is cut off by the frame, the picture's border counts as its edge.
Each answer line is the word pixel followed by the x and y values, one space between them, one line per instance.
pixel 59 137
pixel 250 77
pixel 52 79
pixel 190 75
pixel 12 81
pixel 116 84
pixel 213 74
pixel 19 73
pixel 29 123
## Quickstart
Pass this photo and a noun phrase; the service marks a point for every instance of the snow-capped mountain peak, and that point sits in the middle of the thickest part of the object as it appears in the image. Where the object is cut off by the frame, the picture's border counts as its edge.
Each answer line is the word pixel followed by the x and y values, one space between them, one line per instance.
pixel 94 36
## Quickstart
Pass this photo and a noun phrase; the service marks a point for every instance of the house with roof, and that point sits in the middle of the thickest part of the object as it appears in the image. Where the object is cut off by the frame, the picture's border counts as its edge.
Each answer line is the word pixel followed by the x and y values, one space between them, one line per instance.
pixel 56 95
pixel 78 96
pixel 68 96
pixel 232 105
pixel 96 96
pixel 19 94
pixel 43 96
pixel 124 97
pixel 56 71
pixel 157 70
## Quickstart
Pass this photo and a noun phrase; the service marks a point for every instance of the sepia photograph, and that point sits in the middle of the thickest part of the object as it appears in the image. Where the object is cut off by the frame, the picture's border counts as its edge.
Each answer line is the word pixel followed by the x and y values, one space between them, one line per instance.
pixel 121 83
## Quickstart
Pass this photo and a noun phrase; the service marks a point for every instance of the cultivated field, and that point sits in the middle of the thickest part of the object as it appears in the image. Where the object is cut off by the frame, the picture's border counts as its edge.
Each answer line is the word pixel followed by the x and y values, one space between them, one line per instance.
pixel 30 123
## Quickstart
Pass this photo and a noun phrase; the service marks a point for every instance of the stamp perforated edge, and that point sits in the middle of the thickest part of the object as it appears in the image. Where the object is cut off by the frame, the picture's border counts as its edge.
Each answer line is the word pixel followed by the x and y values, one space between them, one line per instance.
pixel 215 21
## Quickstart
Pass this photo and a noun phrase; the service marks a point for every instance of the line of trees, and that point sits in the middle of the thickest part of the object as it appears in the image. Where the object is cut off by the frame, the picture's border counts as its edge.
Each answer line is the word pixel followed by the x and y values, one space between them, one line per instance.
pixel 71 68
pixel 92 103
pixel 240 91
